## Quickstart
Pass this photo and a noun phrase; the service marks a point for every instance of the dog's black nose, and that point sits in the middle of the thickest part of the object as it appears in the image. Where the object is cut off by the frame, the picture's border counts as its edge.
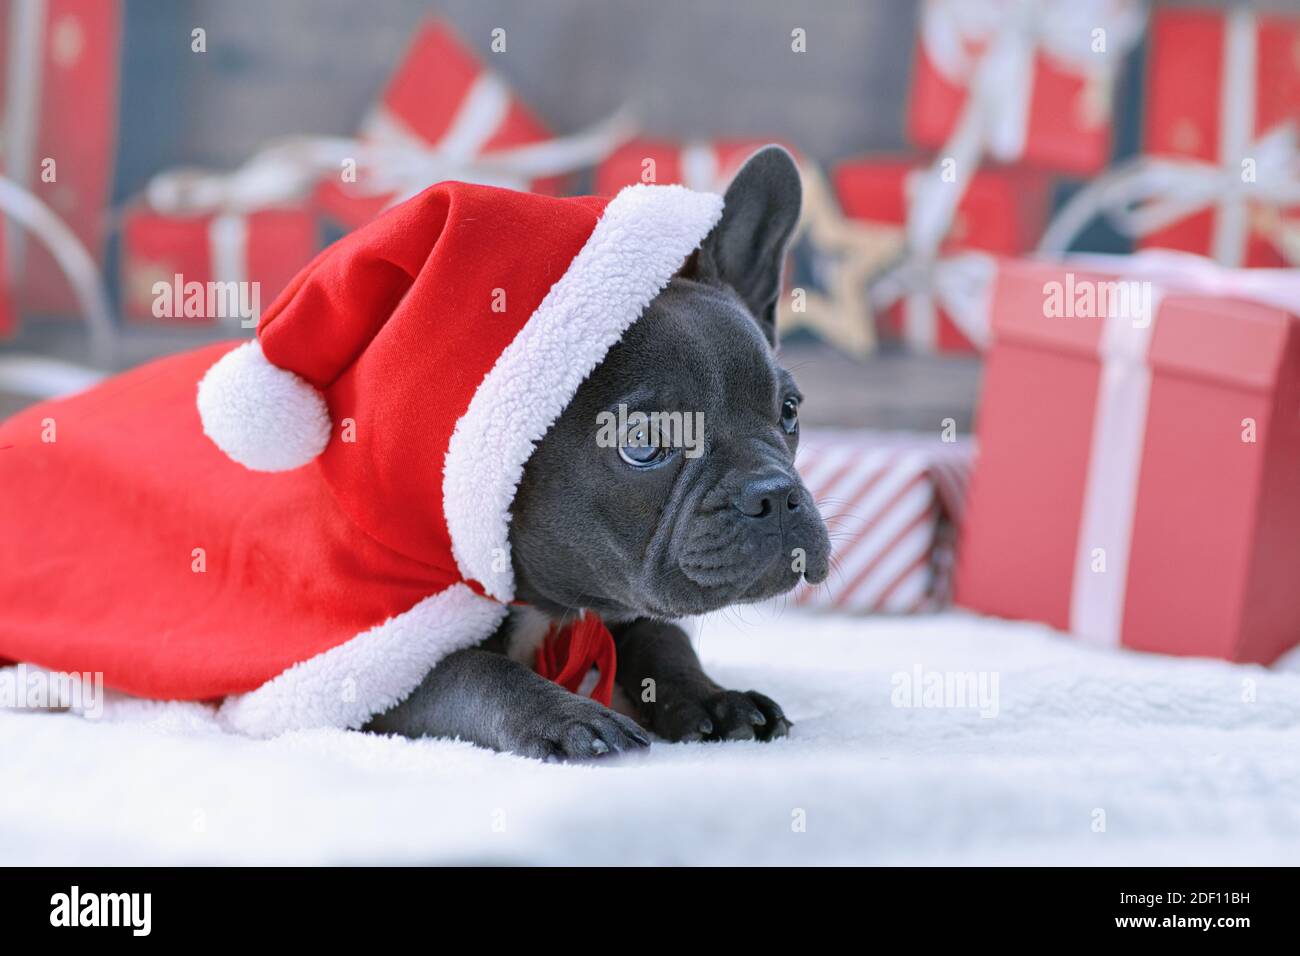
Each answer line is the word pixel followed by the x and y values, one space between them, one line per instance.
pixel 767 495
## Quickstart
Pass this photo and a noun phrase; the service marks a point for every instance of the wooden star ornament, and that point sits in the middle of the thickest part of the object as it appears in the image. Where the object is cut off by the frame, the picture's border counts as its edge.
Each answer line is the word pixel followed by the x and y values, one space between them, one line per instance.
pixel 833 260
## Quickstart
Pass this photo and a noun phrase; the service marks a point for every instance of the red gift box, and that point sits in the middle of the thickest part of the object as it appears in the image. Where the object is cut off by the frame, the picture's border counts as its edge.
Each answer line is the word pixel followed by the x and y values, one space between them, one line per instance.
pixel 1047 89
pixel 59 130
pixel 1136 475
pixel 267 247
pixel 441 99
pixel 706 165
pixel 1002 212
pixel 1218 84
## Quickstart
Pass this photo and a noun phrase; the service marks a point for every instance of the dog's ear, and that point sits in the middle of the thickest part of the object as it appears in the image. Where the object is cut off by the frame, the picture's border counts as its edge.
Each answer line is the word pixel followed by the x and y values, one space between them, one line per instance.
pixel 746 249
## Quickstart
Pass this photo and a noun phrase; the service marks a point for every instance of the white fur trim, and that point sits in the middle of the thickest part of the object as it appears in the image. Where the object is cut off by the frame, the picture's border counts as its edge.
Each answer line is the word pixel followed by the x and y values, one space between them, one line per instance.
pixel 642 239
pixel 347 685
pixel 528 629
pixel 264 417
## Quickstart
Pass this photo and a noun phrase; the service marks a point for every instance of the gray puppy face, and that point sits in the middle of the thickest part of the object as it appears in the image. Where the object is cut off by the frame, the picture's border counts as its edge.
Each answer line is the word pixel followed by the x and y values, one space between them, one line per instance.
pixel 714 513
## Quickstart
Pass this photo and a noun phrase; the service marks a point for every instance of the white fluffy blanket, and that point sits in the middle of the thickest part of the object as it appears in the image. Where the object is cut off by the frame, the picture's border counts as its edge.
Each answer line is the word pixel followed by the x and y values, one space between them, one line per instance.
pixel 1092 757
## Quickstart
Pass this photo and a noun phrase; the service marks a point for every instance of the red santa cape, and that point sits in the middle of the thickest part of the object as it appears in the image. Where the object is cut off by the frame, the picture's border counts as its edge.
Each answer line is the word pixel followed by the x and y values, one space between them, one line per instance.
pixel 331 517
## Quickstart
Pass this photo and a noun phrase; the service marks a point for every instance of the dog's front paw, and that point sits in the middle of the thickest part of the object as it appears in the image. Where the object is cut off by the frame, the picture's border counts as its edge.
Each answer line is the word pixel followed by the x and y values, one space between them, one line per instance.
pixel 721 715
pixel 577 728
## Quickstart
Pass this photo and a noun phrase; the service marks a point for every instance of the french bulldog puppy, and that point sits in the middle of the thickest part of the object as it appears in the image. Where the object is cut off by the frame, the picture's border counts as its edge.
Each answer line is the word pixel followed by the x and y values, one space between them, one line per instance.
pixel 642 536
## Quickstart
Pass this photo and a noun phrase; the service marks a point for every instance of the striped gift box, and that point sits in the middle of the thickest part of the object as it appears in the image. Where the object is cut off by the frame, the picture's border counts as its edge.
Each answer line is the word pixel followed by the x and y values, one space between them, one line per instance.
pixel 891 501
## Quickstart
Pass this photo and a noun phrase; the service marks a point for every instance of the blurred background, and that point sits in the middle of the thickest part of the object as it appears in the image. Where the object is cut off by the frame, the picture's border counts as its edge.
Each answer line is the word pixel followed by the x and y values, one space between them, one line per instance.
pixel 117 92
pixel 153 147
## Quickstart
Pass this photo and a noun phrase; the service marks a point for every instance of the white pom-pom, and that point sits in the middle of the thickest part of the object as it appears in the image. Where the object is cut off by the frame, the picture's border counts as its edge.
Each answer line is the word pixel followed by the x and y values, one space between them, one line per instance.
pixel 264 417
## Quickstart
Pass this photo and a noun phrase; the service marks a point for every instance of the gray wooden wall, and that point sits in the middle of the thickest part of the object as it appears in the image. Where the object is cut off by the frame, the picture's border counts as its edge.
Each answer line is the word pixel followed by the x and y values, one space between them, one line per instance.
pixel 693 68
pixel 689 68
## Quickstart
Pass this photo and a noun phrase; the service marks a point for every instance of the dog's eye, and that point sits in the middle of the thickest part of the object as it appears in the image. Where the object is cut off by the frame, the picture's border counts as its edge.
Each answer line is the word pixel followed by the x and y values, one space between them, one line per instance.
pixel 638 450
pixel 790 415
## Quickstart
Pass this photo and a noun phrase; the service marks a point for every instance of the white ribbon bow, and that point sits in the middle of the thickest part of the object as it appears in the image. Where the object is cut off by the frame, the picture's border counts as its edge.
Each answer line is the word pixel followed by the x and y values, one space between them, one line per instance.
pixel 1149 193
pixel 989 46
pixel 289 169
pixel 960 285
pixel 282 173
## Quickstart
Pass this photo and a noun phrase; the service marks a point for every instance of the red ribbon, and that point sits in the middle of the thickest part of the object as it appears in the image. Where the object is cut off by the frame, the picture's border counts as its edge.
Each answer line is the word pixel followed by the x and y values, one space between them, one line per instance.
pixel 569 652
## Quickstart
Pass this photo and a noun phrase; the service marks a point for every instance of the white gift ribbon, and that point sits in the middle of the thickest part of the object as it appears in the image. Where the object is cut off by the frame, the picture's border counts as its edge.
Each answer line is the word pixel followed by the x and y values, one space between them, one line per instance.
pixel 1114 465
pixel 402 169
pixel 479 115
pixel 700 167
pixel 1120 420
pixel 396 160
pixel 392 160
pixel 1010 33
pixel 994 120
pixel 1152 192
pixel 1189 272
pixel 26 46
pixel 283 173
pixel 228 242
pixel 286 171
pixel 1149 193
pixel 40 377
pixel 395 165
pixel 1288 241
pixel 960 285
pixel 36 218
pixel 23 212
pixel 1236 130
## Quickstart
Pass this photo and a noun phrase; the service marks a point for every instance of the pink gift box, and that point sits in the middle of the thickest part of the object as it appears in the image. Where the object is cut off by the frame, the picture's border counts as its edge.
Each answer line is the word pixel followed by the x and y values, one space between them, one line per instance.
pixel 1138 459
